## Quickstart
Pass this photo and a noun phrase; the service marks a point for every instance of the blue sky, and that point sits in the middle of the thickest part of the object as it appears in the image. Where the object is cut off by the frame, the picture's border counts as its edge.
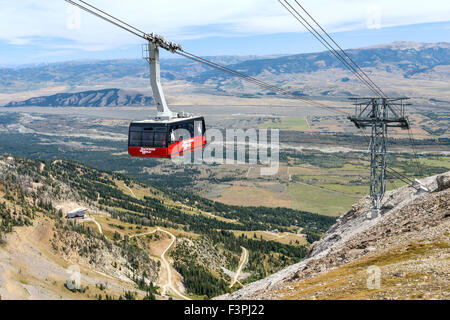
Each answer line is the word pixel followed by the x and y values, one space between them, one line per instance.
pixel 33 31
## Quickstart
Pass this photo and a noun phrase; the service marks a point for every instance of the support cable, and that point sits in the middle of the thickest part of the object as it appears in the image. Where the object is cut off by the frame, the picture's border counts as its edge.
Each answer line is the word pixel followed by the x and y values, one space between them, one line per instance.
pixel 178 50
pixel 104 18
pixel 416 156
pixel 256 81
pixel 342 50
pixel 327 45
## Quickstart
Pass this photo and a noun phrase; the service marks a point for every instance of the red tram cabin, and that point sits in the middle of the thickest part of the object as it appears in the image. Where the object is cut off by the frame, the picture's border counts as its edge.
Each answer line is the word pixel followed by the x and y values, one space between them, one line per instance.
pixel 166 138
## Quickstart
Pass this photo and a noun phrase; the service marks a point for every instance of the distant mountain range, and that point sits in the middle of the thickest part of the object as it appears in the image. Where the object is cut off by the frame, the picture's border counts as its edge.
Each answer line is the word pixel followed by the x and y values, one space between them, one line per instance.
pixel 405 58
pixel 99 71
pixel 93 98
pixel 401 59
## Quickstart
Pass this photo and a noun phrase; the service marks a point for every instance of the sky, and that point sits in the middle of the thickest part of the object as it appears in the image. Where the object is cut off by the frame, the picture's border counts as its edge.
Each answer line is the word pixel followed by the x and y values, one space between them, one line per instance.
pixel 37 31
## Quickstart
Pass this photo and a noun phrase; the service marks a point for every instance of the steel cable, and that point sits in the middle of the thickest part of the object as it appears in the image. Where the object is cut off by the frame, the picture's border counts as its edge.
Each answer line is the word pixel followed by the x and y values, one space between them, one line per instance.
pixel 327 45
pixel 342 50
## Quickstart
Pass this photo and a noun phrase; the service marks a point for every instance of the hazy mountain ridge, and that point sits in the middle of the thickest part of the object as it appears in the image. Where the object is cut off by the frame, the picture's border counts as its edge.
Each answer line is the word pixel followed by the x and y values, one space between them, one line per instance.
pixel 93 98
pixel 96 71
pixel 408 59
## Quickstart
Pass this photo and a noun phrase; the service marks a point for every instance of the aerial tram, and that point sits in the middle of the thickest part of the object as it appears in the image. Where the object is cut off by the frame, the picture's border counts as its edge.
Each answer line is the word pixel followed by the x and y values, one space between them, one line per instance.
pixel 172 134
pixel 169 134
pixel 166 138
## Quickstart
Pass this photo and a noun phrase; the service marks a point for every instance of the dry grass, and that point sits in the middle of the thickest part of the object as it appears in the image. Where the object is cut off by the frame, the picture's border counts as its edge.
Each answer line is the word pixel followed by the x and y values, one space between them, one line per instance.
pixel 110 226
pixel 406 273
pixel 46 275
pixel 255 195
pixel 283 237
pixel 287 123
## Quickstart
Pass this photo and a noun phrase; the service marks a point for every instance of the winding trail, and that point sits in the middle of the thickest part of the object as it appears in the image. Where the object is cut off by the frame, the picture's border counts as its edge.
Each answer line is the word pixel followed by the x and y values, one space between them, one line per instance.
pixel 244 259
pixel 94 221
pixel 143 234
pixel 169 285
pixel 129 189
pixel 98 225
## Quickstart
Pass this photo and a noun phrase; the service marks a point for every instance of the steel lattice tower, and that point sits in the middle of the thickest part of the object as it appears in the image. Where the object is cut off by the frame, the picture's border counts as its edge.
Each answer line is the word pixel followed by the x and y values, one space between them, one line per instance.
pixel 379 114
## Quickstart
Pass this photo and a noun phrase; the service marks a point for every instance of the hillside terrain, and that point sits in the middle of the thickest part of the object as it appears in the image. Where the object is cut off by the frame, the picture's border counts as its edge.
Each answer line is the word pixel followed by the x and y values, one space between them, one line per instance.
pixel 137 241
pixel 408 59
pixel 92 98
pixel 407 248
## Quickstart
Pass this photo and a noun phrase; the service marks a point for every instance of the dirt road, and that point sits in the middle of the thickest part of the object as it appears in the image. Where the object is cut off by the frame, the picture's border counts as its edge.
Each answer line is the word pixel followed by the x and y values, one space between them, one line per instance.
pixel 98 225
pixel 243 261
pixel 129 189
pixel 169 284
pixel 94 221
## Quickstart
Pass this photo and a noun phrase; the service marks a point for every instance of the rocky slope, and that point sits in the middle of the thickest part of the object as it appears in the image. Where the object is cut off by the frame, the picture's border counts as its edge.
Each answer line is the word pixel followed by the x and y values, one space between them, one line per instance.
pixel 92 98
pixel 408 246
pixel 38 246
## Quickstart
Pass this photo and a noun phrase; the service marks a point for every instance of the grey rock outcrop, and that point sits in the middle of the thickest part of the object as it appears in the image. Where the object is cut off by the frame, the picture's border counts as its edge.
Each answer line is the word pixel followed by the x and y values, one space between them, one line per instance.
pixel 443 182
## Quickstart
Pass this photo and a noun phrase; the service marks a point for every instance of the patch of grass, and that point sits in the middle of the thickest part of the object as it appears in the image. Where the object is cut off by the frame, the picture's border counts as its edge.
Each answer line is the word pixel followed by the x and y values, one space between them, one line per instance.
pixel 318 201
pixel 91 225
pixel 254 196
pixel 414 250
pixel 435 162
pixel 110 225
pixel 288 123
pixel 182 234
pixel 348 189
pixel 355 167
pixel 284 238
pixel 350 281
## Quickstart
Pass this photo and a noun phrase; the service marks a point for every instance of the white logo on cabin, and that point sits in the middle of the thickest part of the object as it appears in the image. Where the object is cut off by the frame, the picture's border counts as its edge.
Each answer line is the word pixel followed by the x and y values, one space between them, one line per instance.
pixel 187 144
pixel 147 150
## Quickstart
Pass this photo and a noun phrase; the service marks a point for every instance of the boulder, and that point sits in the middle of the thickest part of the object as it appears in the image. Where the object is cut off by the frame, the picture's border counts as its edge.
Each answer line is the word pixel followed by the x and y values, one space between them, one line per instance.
pixel 443 182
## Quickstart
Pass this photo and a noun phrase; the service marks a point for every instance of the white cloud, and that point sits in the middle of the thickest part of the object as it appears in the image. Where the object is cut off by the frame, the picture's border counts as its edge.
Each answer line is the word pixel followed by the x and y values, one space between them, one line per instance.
pixel 23 20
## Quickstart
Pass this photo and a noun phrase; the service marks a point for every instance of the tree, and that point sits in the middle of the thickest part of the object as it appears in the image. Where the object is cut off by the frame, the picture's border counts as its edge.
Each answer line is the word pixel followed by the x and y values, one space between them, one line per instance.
pixel 117 236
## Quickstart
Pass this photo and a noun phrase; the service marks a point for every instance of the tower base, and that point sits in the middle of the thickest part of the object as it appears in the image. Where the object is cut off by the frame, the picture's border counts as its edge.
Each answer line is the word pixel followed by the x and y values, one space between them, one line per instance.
pixel 373 214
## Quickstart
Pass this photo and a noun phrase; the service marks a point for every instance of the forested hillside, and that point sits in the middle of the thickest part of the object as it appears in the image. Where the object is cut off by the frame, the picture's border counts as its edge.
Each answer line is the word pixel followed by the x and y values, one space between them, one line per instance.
pixel 130 215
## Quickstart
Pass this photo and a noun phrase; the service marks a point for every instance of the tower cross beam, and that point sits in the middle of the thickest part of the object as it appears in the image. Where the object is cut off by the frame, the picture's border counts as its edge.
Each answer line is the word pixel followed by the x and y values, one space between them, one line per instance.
pixel 378 114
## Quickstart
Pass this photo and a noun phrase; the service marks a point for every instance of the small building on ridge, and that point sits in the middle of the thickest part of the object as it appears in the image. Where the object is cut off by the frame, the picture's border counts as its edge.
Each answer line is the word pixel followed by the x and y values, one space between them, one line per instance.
pixel 77 213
